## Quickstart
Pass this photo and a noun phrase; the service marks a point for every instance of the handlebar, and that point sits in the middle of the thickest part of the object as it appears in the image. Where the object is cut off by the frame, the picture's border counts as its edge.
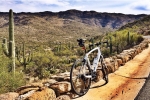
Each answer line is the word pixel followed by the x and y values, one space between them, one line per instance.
pixel 81 42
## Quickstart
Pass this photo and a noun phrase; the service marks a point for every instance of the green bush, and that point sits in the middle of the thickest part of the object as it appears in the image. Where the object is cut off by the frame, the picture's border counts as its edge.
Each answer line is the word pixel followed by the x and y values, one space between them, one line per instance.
pixel 9 81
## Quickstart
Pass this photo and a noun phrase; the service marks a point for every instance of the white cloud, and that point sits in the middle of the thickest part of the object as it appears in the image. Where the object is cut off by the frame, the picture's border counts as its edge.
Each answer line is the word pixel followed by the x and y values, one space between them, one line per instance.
pixel 141 5
pixel 46 2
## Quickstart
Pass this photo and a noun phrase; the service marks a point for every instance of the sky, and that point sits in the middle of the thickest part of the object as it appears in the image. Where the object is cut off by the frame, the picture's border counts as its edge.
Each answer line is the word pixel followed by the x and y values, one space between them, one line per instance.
pixel 110 6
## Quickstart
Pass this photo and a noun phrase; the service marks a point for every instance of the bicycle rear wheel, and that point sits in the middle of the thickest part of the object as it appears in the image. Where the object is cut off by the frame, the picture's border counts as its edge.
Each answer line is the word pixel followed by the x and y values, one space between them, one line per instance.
pixel 79 83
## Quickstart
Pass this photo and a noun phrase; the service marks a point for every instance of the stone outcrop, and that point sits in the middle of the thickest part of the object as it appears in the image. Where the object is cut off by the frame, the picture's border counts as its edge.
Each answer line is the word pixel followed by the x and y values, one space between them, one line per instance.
pixel 59 87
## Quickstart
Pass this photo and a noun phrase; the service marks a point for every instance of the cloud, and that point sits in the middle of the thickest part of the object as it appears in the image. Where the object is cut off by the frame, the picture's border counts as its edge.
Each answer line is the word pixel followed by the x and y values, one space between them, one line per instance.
pixel 141 8
pixel 46 2
pixel 141 5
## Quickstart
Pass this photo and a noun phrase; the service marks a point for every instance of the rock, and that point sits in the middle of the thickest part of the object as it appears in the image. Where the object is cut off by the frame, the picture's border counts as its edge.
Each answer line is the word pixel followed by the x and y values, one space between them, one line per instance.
pixel 49 82
pixel 119 56
pixel 112 64
pixel 9 96
pixel 26 95
pixel 63 97
pixel 27 90
pixel 109 68
pixel 119 62
pixel 45 94
pixel 116 65
pixel 99 75
pixel 61 87
pixel 29 87
pixel 126 56
pixel 62 77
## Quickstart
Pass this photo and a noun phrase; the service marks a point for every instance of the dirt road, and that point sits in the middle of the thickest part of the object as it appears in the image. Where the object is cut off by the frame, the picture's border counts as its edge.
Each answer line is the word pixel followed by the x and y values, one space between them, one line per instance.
pixel 125 83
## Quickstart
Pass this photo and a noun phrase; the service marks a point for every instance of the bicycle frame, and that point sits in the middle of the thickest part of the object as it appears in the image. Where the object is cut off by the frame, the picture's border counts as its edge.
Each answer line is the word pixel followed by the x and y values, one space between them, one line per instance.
pixel 88 62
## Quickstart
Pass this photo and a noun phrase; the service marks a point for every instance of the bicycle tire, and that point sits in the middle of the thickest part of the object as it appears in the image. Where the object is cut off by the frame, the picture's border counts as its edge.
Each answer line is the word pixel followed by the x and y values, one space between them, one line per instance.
pixel 80 84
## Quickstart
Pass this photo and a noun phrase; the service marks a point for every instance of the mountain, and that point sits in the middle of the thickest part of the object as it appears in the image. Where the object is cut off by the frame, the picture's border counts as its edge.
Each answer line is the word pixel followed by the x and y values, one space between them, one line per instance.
pixel 63 26
pixel 141 26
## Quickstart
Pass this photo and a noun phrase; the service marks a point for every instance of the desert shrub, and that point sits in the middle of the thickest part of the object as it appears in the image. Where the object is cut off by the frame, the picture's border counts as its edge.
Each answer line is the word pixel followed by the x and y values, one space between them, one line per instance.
pixel 106 52
pixel 9 81
pixel 44 64
pixel 65 52
pixel 139 38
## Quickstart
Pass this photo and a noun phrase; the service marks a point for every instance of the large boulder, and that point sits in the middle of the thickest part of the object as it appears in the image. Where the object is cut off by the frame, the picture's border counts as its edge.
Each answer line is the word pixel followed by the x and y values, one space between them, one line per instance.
pixel 63 97
pixel 9 96
pixel 99 75
pixel 44 94
pixel 112 64
pixel 25 95
pixel 61 87
pixel 33 86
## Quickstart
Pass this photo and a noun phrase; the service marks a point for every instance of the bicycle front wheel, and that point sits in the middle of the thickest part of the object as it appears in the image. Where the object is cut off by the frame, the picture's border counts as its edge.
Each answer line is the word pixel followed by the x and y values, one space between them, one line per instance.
pixel 80 77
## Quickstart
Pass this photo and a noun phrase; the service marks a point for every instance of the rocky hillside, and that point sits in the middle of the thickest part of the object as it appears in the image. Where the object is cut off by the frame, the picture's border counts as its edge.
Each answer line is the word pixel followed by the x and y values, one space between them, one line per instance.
pixel 69 25
pixel 141 26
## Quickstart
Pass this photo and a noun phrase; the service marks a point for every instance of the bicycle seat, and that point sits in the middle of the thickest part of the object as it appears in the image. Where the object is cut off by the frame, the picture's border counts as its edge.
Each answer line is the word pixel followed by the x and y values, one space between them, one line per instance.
pixel 80 42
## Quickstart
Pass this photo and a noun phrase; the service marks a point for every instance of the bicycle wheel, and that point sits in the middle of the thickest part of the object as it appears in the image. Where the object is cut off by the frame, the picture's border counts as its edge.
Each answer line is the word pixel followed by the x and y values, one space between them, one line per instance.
pixel 79 83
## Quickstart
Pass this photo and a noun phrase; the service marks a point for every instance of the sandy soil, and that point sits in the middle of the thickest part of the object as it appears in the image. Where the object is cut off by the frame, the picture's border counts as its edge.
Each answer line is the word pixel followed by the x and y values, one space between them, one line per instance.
pixel 125 83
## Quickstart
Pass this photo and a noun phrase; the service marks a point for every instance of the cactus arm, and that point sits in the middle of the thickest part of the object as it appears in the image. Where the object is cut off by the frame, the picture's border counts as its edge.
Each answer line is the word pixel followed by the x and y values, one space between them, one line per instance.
pixel 29 58
pixel 17 54
pixel 5 48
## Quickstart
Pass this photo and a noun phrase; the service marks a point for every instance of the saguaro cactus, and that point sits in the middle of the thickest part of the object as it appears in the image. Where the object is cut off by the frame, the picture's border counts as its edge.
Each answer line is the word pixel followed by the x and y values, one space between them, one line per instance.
pixel 128 38
pixel 10 50
pixel 22 57
pixel 110 45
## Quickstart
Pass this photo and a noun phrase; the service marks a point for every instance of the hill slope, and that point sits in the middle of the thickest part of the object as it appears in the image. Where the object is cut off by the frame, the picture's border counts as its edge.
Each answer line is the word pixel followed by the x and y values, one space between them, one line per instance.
pixel 63 26
pixel 141 26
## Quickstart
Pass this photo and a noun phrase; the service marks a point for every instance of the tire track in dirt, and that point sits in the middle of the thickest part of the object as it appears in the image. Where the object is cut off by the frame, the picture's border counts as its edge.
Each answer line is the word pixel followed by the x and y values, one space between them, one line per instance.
pixel 125 83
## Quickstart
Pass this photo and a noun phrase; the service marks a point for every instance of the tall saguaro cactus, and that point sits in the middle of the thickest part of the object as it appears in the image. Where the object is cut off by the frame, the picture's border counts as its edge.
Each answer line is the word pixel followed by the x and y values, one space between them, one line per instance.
pixel 22 57
pixel 128 38
pixel 110 45
pixel 10 50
